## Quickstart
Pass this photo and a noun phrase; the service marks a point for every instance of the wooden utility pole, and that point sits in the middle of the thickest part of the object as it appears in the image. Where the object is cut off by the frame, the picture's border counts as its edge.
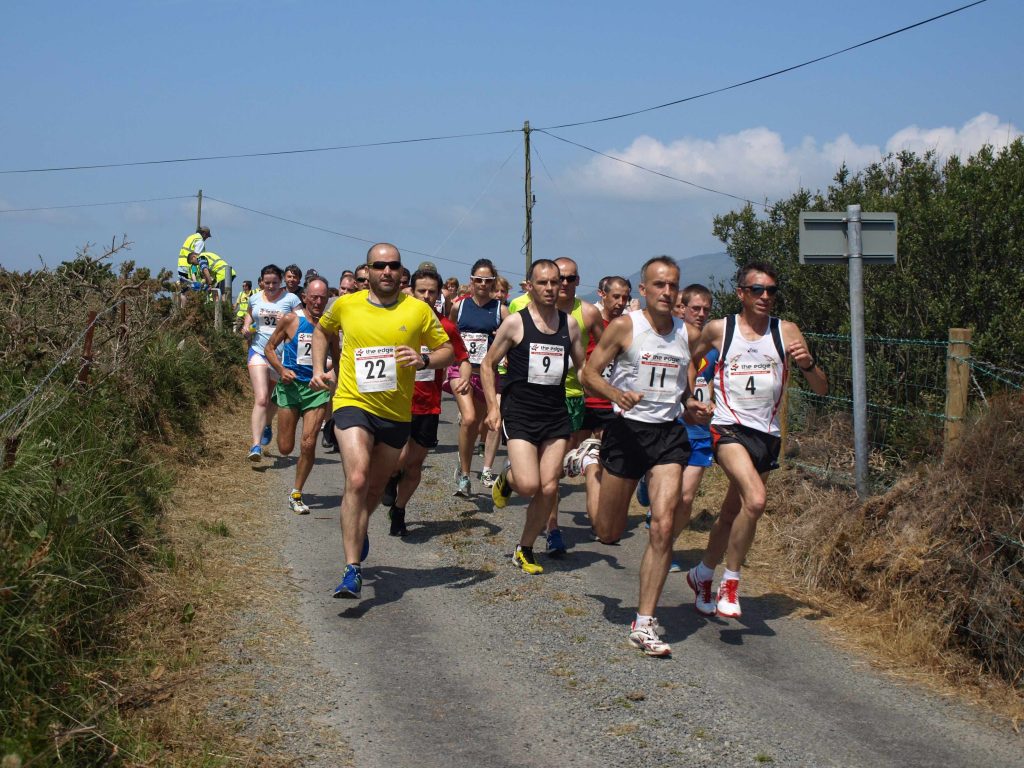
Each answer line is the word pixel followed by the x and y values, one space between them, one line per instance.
pixel 199 211
pixel 958 379
pixel 528 235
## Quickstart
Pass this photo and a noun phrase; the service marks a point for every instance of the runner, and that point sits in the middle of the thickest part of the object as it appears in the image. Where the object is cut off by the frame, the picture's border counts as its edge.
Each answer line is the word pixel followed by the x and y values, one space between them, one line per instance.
pixel 753 347
pixel 584 459
pixel 651 351
pixel 266 308
pixel 426 409
pixel 588 318
pixel 539 341
pixel 477 317
pixel 384 331
pixel 293 279
pixel 292 394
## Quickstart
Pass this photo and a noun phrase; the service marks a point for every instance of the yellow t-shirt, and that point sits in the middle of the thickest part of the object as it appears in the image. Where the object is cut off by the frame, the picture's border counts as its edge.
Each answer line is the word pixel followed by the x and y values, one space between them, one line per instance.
pixel 573 388
pixel 369 377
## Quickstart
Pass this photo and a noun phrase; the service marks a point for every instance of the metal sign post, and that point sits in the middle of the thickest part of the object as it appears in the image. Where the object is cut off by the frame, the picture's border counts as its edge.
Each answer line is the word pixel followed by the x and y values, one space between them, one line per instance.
pixel 855 238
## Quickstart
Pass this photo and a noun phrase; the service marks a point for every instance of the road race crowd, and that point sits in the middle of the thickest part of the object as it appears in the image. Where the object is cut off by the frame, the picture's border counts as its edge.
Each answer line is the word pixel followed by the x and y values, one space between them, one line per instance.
pixel 638 395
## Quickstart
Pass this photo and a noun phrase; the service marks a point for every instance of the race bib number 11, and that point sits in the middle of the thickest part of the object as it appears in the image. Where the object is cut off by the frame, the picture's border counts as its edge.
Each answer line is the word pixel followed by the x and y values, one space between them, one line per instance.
pixel 375 369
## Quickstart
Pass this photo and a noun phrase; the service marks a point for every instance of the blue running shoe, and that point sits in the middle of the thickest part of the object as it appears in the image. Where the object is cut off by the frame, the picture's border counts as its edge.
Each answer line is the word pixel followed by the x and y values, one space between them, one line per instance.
pixel 366 549
pixel 351 583
pixel 255 454
pixel 641 493
pixel 675 567
pixel 647 520
pixel 555 543
pixel 268 435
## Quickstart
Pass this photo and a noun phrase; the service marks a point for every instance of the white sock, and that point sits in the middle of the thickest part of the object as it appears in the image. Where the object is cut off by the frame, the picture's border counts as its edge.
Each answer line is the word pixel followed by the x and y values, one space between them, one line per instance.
pixel 643 621
pixel 704 573
pixel 486 470
pixel 588 461
pixel 730 575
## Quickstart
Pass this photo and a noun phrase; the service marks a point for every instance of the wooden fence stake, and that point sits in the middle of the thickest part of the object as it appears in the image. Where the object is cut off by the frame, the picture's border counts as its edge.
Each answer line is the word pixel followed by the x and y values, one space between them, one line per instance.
pixel 83 372
pixel 958 379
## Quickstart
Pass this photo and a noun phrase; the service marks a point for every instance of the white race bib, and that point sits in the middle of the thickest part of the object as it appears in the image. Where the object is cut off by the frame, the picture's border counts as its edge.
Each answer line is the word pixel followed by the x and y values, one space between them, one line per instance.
pixel 702 390
pixel 751 384
pixel 376 370
pixel 657 374
pixel 606 374
pixel 269 318
pixel 425 374
pixel 547 363
pixel 304 352
pixel 476 346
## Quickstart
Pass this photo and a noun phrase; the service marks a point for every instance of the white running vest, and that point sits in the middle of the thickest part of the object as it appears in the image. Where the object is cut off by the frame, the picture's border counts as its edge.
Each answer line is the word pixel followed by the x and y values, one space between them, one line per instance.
pixel 751 379
pixel 655 365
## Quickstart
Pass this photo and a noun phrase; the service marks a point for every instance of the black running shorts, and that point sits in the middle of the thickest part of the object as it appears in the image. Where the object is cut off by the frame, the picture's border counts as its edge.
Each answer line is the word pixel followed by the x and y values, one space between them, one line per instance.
pixel 762 448
pixel 424 429
pixel 630 448
pixel 393 433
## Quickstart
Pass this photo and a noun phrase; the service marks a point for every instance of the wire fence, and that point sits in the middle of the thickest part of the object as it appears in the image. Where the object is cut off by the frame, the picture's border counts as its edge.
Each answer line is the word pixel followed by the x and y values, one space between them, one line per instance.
pixel 908 410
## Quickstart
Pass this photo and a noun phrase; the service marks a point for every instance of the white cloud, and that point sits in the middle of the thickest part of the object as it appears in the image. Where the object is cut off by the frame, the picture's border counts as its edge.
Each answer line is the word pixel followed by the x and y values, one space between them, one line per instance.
pixel 756 164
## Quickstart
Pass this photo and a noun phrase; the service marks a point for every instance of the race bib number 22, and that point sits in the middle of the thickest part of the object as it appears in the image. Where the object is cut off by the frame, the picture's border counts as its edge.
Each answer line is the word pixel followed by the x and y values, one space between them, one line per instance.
pixel 375 369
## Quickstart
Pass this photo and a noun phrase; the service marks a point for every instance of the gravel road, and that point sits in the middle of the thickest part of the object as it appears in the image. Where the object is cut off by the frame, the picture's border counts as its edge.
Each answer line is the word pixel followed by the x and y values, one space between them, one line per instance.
pixel 453 657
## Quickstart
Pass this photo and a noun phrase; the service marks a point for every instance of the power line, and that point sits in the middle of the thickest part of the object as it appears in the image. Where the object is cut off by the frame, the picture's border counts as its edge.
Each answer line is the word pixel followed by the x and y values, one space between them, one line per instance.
pixel 94 205
pixel 759 78
pixel 275 153
pixel 776 73
pixel 651 170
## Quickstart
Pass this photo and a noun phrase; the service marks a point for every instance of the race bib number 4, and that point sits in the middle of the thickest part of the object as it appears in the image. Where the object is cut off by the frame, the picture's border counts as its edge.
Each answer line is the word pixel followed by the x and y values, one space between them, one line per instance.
pixel 375 369
pixel 752 384
pixel 425 374
pixel 304 352
pixel 657 375
pixel 547 364
pixel 476 346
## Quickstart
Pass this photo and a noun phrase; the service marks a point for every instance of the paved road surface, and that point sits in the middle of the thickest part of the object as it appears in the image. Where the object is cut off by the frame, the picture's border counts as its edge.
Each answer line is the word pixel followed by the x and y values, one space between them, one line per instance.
pixel 455 658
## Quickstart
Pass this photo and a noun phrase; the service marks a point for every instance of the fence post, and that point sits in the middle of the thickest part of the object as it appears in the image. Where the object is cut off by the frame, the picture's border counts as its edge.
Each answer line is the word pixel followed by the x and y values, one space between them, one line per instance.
pixel 218 314
pixel 83 372
pixel 958 379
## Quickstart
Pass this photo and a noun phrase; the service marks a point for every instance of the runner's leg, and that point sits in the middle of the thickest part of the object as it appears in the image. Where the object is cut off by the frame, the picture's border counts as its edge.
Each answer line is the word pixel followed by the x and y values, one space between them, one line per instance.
pixel 413 456
pixel 609 519
pixel 663 488
pixel 259 375
pixel 307 448
pixel 751 495
pixel 287 420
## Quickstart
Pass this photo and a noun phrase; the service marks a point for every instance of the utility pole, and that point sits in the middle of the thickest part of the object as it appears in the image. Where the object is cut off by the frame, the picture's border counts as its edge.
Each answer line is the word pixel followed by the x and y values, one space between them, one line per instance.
pixel 199 211
pixel 528 235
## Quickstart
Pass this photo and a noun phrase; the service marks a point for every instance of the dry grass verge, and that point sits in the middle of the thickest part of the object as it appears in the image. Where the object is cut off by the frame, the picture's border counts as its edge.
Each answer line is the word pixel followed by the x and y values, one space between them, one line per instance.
pixel 928 577
pixel 211 639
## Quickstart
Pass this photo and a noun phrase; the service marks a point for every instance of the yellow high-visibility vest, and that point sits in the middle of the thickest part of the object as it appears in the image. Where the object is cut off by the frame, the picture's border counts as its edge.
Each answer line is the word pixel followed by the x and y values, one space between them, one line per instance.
pixel 186 249
pixel 243 303
pixel 218 267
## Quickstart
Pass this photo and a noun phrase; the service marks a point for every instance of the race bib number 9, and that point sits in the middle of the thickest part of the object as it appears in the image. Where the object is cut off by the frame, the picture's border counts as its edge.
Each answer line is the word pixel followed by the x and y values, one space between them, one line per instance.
pixel 657 375
pixel 547 364
pixel 476 346
pixel 375 369
pixel 425 374
pixel 304 352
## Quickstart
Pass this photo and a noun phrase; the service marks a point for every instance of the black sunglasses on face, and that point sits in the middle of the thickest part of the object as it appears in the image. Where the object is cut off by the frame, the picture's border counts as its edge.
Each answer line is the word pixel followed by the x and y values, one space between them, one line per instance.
pixel 362 279
pixel 568 278
pixel 757 289
pixel 380 265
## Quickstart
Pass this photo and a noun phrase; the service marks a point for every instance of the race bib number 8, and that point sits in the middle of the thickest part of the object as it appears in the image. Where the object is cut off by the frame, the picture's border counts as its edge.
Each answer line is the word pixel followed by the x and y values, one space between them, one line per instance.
pixel 476 346
pixel 657 375
pixel 304 353
pixel 547 364
pixel 425 374
pixel 375 369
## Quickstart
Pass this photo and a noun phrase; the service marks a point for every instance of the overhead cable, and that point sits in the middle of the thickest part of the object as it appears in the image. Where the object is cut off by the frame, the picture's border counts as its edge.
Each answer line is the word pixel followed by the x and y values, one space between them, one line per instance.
pixel 759 78
pixel 651 170
pixel 619 116
pixel 93 205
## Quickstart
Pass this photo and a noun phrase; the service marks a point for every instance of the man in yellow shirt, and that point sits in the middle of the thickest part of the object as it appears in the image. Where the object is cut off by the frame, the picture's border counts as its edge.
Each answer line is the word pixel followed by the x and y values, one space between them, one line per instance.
pixel 383 330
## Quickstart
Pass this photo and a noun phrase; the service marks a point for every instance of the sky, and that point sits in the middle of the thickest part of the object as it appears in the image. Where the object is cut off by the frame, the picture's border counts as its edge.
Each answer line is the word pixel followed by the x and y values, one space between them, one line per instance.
pixel 119 82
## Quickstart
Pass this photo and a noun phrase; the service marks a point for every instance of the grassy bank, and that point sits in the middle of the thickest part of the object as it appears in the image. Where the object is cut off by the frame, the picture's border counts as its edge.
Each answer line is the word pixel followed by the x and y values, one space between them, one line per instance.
pixel 84 478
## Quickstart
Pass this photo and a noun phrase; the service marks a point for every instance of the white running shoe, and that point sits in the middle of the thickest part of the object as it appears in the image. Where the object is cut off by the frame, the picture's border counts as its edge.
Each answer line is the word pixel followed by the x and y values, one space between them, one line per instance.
pixel 702 601
pixel 462 486
pixel 646 639
pixel 297 505
pixel 728 602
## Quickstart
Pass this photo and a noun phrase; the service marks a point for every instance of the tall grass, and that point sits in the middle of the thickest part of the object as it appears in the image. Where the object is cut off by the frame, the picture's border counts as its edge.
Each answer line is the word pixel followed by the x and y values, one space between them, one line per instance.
pixel 82 498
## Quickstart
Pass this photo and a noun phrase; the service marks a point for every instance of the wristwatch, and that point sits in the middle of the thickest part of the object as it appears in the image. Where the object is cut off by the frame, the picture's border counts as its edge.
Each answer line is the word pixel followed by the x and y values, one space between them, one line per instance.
pixel 809 367
pixel 426 360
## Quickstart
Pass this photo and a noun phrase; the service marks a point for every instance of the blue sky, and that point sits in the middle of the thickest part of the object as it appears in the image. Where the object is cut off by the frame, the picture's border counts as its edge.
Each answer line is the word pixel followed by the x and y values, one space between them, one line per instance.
pixel 115 82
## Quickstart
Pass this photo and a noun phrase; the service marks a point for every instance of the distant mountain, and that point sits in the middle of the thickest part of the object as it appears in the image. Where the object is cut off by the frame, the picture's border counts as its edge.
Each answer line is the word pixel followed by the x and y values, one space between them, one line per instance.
pixel 706 268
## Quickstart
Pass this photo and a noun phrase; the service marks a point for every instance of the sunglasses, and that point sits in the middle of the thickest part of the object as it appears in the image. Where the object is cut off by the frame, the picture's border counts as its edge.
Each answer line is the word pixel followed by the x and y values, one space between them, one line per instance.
pixel 757 289
pixel 362 279
pixel 482 280
pixel 568 278
pixel 381 265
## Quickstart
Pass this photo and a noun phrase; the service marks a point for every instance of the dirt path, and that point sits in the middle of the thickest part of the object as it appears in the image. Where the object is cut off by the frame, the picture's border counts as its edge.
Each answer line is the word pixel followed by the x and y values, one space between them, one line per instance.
pixel 454 657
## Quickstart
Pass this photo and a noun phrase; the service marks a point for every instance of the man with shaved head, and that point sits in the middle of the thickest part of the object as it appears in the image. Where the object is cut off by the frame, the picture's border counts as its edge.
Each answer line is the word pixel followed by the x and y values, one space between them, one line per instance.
pixel 383 331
